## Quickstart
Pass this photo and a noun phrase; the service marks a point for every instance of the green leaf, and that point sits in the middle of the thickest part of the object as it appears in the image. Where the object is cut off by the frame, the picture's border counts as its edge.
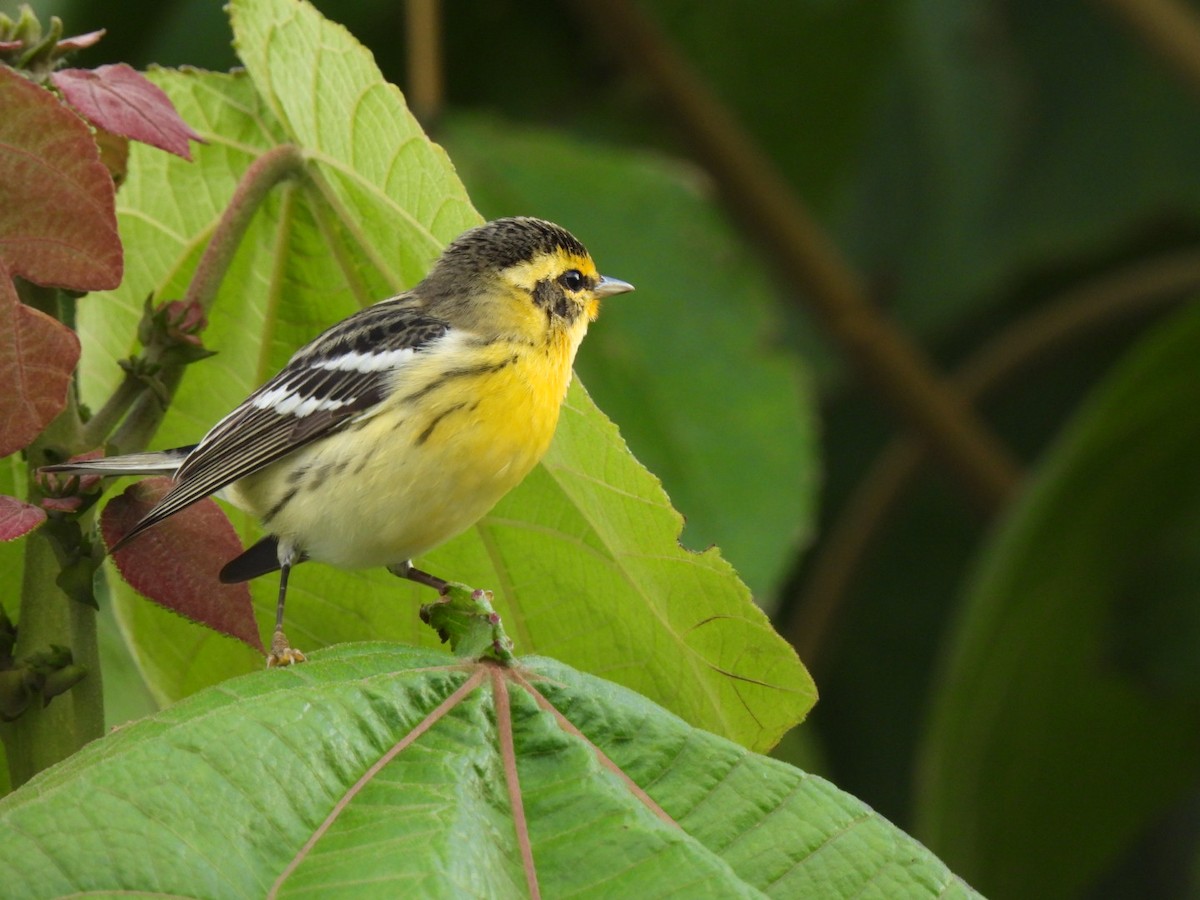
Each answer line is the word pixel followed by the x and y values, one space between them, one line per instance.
pixel 405 773
pixel 392 190
pixel 583 557
pixel 691 365
pixel 1068 643
pixel 126 694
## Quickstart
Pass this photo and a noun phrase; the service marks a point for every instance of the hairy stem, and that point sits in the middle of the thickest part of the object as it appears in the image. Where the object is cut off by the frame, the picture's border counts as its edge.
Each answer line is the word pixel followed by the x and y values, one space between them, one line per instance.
pixel 146 412
pixel 44 735
pixel 101 424
pixel 276 165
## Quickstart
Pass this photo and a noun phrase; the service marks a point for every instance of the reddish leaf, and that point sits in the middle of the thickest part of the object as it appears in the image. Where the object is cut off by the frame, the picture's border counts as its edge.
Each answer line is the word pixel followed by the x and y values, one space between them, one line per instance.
pixel 176 562
pixel 122 100
pixel 37 356
pixel 18 518
pixel 58 224
pixel 80 41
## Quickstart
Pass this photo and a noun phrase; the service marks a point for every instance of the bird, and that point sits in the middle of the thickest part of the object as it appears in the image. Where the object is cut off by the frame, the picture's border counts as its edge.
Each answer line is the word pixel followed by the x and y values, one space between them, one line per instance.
pixel 402 425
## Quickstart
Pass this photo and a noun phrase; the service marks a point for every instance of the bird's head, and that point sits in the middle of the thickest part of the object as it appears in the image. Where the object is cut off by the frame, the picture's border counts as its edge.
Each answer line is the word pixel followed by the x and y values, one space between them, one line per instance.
pixel 519 276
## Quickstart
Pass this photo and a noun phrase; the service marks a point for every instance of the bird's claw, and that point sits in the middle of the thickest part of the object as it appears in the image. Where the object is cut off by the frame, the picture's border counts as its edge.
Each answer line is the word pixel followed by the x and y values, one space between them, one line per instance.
pixel 281 654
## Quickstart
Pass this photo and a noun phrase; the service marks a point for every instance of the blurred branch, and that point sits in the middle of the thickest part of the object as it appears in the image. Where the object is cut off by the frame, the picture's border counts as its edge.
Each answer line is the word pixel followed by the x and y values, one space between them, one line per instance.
pixel 423 20
pixel 1104 303
pixel 1170 29
pixel 880 353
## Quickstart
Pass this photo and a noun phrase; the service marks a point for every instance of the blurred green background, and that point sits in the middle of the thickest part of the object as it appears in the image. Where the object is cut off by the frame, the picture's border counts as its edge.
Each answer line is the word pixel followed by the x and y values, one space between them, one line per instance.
pixel 1012 675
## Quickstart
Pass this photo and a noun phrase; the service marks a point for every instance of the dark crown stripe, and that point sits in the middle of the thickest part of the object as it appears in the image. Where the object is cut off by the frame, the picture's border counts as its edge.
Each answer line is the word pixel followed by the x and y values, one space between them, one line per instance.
pixel 507 242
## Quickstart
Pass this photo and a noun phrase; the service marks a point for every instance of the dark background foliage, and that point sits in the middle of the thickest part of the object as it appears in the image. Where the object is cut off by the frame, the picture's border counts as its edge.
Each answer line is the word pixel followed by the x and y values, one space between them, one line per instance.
pixel 1014 185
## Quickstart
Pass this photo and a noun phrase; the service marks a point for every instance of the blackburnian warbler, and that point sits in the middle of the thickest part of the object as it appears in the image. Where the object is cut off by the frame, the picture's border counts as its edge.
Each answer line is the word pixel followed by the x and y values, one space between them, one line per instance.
pixel 402 425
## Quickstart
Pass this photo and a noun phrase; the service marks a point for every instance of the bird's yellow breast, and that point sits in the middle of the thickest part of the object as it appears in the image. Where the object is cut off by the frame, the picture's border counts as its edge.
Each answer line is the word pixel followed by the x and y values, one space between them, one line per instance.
pixel 466 425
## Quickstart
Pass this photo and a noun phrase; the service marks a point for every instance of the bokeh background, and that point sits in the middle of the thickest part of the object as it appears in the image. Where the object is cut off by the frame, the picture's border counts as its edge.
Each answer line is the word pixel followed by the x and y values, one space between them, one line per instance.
pixel 914 342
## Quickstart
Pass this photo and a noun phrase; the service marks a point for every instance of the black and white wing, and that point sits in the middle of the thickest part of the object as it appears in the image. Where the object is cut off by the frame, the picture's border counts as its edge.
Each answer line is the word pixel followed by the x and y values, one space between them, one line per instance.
pixel 339 375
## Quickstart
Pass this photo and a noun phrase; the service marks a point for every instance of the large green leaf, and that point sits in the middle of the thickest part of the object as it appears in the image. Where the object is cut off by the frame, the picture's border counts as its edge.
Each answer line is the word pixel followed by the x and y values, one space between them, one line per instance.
pixel 583 556
pixel 692 365
pixel 378 770
pixel 1065 717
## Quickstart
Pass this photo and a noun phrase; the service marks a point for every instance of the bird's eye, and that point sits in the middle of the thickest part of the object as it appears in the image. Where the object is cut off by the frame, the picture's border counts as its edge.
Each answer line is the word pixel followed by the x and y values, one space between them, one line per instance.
pixel 572 280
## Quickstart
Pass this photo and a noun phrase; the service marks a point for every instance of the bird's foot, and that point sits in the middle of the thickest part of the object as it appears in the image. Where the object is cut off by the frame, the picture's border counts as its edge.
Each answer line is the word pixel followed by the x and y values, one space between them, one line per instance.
pixel 281 654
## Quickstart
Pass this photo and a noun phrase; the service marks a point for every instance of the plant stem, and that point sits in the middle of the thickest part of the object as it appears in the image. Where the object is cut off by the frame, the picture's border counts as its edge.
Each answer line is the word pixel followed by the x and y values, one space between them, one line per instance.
pixel 423 27
pixel 146 412
pixel 276 165
pixel 45 735
pixel 100 425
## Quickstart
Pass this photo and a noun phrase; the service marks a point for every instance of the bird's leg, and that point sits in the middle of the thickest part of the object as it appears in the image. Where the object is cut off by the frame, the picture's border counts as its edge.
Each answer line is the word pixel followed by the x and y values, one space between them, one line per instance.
pixel 407 570
pixel 281 654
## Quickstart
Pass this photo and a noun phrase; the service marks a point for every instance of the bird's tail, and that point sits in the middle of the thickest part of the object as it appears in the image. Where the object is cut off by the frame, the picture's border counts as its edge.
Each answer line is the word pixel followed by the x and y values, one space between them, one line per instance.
pixel 159 462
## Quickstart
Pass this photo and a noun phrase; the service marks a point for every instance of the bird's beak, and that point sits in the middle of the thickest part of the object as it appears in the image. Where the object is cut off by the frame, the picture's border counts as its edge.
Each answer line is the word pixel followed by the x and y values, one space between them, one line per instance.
pixel 610 286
